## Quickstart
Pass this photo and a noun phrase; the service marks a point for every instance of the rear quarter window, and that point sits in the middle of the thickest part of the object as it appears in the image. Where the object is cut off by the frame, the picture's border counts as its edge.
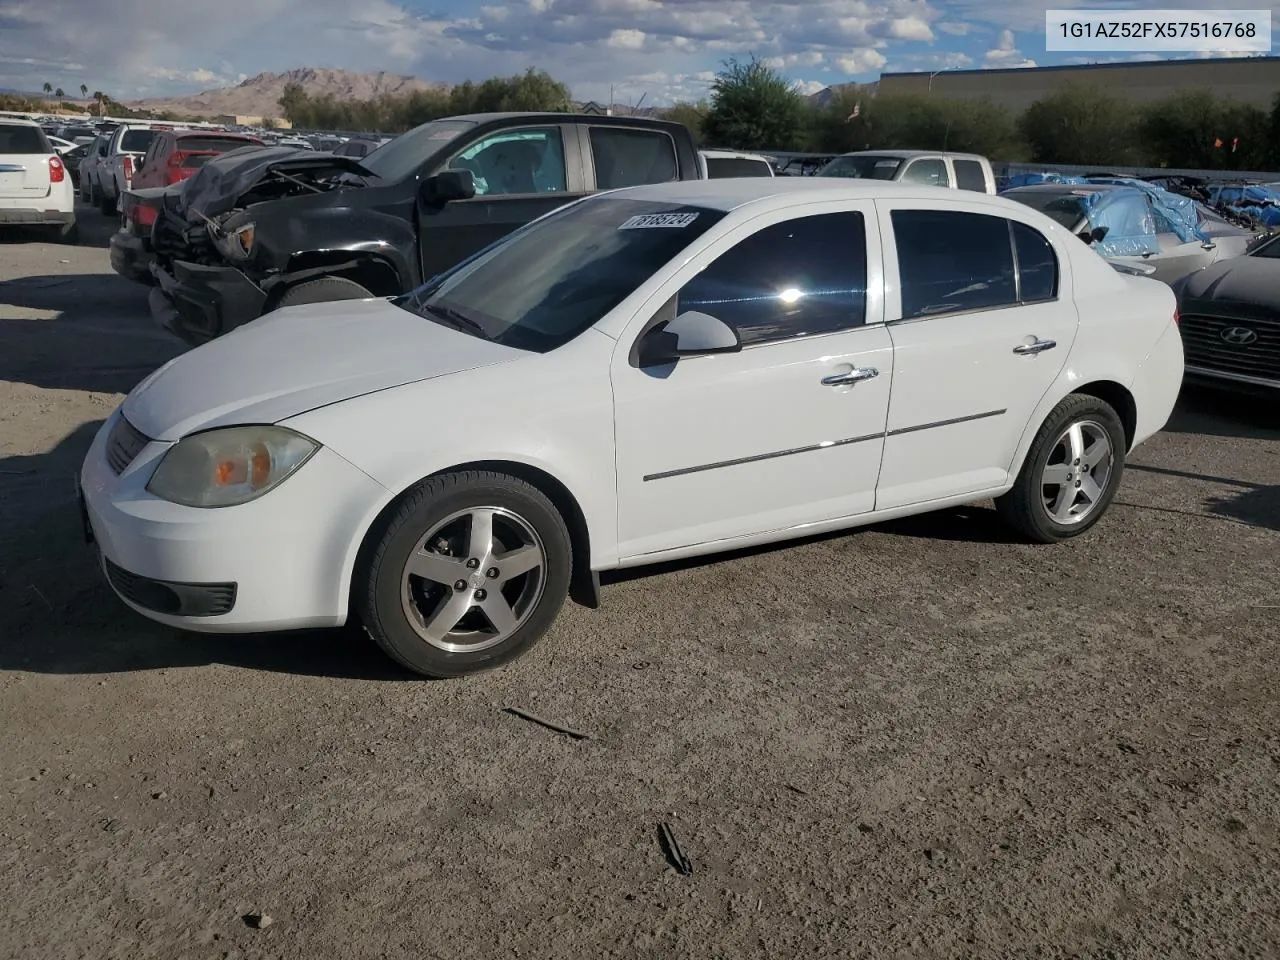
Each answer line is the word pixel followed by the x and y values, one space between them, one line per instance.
pixel 718 167
pixel 136 141
pixel 970 175
pixel 18 138
pixel 628 157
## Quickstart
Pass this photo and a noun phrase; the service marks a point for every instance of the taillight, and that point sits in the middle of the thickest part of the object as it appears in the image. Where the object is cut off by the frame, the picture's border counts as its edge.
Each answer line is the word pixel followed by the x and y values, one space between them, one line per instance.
pixel 128 167
pixel 57 170
pixel 144 215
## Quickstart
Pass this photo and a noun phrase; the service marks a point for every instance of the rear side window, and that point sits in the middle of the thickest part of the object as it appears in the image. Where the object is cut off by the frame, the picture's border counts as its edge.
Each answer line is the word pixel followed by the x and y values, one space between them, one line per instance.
pixel 136 141
pixel 792 279
pixel 19 138
pixel 628 158
pixel 970 175
pixel 1037 264
pixel 718 167
pixel 949 261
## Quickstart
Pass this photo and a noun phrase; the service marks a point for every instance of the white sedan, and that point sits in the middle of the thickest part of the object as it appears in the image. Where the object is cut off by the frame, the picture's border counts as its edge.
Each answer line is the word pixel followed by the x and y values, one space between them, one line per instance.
pixel 646 374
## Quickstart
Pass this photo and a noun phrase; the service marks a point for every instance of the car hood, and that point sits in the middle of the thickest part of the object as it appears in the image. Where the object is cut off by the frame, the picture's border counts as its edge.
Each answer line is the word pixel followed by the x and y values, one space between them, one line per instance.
pixel 298 358
pixel 220 183
pixel 1245 280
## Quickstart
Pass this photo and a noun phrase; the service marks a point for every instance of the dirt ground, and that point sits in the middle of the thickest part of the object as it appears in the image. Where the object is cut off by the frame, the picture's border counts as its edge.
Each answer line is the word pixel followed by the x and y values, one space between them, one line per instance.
pixel 921 740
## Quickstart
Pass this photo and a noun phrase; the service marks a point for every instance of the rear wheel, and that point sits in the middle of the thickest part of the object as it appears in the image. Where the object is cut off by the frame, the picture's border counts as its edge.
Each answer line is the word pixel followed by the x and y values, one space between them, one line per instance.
pixel 468 573
pixel 323 290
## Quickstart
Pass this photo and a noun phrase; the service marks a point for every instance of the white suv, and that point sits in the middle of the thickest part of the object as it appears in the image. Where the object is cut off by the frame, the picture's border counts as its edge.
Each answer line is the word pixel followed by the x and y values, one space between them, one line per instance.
pixel 35 185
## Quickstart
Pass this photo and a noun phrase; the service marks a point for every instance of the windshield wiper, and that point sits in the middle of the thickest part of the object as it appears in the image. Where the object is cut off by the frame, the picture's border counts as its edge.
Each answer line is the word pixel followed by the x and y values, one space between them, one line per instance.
pixel 457 319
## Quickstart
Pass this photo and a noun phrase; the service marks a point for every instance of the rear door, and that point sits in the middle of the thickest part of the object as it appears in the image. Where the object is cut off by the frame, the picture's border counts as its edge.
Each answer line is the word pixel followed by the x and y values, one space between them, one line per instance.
pixel 520 174
pixel 617 156
pixel 24 162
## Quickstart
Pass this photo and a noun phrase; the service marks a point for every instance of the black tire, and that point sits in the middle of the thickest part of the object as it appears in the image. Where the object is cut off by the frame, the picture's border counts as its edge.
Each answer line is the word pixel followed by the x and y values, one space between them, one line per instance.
pixel 322 290
pixel 379 584
pixel 1024 508
pixel 106 204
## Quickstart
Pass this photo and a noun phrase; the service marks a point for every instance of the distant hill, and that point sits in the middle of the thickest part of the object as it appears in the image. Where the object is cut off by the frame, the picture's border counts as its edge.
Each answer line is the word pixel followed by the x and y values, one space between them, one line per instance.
pixel 259 96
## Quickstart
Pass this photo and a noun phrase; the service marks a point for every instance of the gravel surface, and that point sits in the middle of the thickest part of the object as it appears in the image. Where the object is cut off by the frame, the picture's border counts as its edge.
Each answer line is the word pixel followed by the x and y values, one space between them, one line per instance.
pixel 925 739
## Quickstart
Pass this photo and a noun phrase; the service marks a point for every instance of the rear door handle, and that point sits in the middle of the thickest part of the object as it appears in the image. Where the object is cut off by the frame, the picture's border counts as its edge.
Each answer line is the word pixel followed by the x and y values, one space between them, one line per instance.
pixel 1025 349
pixel 856 375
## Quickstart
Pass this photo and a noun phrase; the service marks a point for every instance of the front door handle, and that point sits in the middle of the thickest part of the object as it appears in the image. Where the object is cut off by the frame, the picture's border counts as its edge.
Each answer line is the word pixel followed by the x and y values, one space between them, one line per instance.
pixel 856 375
pixel 1030 349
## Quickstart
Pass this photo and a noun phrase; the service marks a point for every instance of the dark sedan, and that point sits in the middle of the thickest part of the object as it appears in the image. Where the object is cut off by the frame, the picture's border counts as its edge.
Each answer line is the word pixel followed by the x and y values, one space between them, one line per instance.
pixel 1231 321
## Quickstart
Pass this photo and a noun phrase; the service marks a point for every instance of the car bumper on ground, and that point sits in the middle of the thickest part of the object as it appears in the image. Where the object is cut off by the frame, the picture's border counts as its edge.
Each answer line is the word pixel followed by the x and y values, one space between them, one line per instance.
pixel 131 257
pixel 198 302
pixel 280 562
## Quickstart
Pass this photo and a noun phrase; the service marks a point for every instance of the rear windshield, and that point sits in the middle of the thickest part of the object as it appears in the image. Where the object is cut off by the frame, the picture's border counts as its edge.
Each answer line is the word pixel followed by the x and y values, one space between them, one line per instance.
pixel 216 144
pixel 862 168
pixel 19 138
pixel 1067 209
pixel 136 141
pixel 718 167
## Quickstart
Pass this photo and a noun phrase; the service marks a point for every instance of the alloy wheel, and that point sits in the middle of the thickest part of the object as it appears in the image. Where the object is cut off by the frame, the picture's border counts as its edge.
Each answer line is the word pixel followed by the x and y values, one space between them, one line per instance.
pixel 1077 473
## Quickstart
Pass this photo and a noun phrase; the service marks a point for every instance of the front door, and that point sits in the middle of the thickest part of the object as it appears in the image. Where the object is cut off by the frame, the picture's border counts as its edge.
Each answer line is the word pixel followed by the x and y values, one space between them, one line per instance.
pixel 982 325
pixel 520 173
pixel 790 430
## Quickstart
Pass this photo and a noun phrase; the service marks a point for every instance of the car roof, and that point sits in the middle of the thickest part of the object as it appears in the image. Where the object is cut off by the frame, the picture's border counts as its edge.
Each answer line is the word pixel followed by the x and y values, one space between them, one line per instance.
pixel 553 116
pixel 732 155
pixel 907 154
pixel 730 193
pixel 19 122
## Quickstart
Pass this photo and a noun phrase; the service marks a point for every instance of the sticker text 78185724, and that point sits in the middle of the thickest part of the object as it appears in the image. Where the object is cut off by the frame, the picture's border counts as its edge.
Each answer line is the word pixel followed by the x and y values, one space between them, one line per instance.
pixel 646 221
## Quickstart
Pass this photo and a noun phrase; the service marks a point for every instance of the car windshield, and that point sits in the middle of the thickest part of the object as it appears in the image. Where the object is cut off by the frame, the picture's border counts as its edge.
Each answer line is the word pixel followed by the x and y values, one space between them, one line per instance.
pixel 136 141
pixel 862 167
pixel 20 138
pixel 1269 249
pixel 546 283
pixel 402 156
pixel 1066 208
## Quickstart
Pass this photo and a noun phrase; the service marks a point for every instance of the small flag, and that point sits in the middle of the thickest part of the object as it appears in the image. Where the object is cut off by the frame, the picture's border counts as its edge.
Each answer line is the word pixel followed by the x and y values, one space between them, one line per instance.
pixel 857 109
pixel 1217 143
pixel 1235 142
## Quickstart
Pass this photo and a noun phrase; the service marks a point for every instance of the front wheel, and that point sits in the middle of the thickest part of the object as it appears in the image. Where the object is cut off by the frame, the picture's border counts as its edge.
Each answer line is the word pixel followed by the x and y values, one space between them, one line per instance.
pixel 1071 472
pixel 468 573
pixel 322 290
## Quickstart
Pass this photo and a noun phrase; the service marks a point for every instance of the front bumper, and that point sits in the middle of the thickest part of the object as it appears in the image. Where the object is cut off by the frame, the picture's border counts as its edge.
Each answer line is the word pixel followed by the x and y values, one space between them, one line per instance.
pixel 198 302
pixel 131 257
pixel 280 562
pixel 1235 382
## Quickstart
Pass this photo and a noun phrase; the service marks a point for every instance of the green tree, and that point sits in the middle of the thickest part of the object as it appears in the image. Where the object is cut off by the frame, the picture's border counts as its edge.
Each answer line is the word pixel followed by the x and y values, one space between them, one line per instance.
pixel 1197 129
pixel 1081 124
pixel 691 115
pixel 754 108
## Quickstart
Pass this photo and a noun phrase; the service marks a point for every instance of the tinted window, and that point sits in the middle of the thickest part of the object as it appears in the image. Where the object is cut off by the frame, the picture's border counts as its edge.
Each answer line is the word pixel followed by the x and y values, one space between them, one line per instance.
pixel 932 172
pixel 718 167
pixel 550 280
pixel 1037 264
pixel 626 158
pixel 19 138
pixel 862 168
pixel 796 278
pixel 950 261
pixel 402 156
pixel 136 141
pixel 970 175
pixel 524 160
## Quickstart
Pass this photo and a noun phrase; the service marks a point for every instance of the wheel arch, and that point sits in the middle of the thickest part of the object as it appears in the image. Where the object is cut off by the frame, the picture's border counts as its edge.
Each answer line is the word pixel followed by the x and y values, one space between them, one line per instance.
pixel 1120 399
pixel 375 273
pixel 584 583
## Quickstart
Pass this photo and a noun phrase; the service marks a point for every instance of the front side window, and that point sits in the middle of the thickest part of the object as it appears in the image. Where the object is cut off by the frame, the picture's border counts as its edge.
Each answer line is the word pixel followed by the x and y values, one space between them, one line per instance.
pixel 547 282
pixel 950 261
pixel 629 158
pixel 528 160
pixel 932 172
pixel 970 175
pixel 792 279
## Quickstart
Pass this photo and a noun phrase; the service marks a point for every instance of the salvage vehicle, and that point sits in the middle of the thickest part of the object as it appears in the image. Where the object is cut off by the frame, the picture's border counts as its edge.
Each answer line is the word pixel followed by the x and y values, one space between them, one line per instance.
pixel 642 375
pixel 262 229
pixel 178 154
pixel 1134 222
pixel 130 247
pixel 730 163
pixel 35 186
pixel 125 148
pixel 958 171
pixel 1231 321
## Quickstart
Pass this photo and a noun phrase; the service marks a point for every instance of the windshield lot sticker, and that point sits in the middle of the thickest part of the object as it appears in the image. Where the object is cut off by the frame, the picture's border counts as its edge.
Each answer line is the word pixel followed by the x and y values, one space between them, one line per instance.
pixel 646 221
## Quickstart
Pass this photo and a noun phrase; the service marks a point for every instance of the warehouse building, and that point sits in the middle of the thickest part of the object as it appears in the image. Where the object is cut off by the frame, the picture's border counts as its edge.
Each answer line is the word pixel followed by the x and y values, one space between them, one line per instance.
pixel 1251 80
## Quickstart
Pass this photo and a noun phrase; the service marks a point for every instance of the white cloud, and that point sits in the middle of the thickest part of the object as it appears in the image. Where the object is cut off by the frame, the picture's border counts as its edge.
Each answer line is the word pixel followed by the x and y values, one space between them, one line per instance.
pixel 910 28
pixel 860 62
pixel 626 39
pixel 1006 53
pixel 809 87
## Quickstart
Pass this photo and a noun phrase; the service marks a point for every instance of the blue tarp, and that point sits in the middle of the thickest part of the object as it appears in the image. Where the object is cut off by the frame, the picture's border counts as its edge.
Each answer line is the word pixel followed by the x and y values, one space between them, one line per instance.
pixel 1177 213
pixel 1258 201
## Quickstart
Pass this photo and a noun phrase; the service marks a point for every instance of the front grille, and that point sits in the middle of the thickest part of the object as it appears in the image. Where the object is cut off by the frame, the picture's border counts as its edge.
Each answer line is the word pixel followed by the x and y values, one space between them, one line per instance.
pixel 124 444
pixel 1204 346
pixel 171 597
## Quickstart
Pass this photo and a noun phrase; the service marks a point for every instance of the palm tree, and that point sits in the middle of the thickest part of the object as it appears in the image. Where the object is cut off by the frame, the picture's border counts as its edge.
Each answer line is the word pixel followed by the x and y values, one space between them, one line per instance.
pixel 48 88
pixel 84 91
pixel 100 98
pixel 60 95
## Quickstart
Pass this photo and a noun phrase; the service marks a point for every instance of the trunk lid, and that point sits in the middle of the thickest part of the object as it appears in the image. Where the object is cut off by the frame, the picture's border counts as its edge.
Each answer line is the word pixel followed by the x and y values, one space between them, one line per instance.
pixel 24 176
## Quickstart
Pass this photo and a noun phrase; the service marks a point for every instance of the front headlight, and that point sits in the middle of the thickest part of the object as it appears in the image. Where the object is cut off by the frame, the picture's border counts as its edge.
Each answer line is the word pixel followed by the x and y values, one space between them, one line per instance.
pixel 232 465
pixel 236 244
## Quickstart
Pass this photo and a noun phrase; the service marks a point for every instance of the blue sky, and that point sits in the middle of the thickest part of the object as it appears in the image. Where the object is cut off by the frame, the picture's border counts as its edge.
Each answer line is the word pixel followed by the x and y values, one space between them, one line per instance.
pixel 665 49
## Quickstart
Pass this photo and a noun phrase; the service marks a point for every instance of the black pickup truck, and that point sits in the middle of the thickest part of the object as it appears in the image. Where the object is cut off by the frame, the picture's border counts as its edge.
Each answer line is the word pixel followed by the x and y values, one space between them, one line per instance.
pixel 258 229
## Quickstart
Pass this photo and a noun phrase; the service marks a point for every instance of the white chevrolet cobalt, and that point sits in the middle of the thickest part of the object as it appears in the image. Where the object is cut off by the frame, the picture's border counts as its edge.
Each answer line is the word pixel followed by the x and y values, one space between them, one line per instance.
pixel 651 373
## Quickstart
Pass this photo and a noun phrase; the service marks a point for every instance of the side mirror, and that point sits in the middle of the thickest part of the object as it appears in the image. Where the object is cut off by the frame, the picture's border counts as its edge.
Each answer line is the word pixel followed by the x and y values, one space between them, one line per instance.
pixel 1096 235
pixel 691 334
pixel 446 186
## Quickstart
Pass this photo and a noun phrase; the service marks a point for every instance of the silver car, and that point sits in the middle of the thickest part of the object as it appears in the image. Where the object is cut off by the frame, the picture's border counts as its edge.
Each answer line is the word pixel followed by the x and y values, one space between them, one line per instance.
pixel 1172 257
